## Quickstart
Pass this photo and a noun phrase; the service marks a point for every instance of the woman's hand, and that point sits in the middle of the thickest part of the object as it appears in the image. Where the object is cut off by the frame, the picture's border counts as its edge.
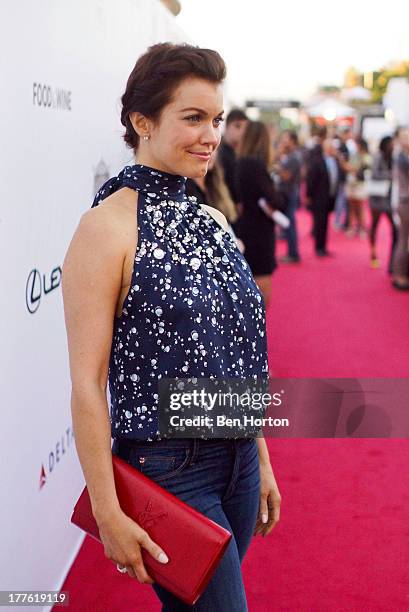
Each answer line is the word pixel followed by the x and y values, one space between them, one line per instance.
pixel 123 539
pixel 270 500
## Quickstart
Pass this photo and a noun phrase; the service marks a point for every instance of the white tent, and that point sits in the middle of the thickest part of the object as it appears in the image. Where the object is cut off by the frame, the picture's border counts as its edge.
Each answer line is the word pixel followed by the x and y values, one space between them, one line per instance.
pixel 330 109
pixel 356 93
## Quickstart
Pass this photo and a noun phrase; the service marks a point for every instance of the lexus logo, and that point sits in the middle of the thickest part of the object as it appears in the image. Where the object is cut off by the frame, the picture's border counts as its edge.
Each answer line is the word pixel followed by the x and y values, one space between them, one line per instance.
pixel 37 286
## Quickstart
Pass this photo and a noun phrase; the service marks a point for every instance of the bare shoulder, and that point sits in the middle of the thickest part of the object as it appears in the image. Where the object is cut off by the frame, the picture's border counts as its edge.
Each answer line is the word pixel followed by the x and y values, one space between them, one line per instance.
pixel 109 223
pixel 217 215
pixel 114 210
pixel 102 236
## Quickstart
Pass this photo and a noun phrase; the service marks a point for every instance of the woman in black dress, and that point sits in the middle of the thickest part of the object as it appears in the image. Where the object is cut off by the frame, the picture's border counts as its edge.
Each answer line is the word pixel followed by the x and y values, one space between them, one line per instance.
pixel 255 226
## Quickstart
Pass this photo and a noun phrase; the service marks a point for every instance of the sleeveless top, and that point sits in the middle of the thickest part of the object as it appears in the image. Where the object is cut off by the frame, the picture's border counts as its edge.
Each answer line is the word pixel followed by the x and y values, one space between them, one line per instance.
pixel 192 311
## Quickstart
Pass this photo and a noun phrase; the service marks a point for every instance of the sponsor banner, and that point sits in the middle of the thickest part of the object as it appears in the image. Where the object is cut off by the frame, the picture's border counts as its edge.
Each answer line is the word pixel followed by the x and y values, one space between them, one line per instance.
pixel 65 69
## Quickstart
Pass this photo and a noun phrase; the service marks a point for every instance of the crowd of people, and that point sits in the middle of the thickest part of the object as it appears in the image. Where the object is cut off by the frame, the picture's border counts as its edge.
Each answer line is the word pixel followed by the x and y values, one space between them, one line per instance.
pixel 258 174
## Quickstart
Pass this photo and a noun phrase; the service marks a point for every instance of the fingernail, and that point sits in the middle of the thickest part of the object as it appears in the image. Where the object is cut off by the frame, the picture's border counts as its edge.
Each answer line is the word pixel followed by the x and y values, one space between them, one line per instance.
pixel 163 558
pixel 264 518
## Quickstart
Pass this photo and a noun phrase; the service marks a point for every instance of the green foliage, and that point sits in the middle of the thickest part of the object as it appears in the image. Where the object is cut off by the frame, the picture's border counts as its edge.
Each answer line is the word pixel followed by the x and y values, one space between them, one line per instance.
pixel 379 78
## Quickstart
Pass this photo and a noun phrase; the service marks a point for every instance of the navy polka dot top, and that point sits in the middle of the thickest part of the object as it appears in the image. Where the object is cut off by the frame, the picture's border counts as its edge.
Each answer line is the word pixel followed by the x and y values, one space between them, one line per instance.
pixel 192 310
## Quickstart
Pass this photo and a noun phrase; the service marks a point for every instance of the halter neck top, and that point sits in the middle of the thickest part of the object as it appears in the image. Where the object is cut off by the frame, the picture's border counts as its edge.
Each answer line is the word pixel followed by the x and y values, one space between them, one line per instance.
pixel 192 310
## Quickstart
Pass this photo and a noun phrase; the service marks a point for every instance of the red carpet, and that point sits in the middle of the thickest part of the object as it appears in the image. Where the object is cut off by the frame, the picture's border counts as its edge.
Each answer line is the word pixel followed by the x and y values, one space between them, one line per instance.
pixel 337 316
pixel 342 544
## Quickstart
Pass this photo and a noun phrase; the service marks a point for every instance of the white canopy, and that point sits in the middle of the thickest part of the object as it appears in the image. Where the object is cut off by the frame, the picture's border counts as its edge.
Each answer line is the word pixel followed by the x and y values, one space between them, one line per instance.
pixel 330 109
pixel 356 93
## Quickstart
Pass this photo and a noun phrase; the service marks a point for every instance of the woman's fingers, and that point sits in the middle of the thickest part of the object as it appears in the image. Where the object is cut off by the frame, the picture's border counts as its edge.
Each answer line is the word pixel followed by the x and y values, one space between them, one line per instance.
pixel 135 569
pixel 274 509
pixel 273 516
pixel 269 509
pixel 140 571
pixel 130 571
pixel 153 549
pixel 263 513
pixel 129 543
pixel 257 528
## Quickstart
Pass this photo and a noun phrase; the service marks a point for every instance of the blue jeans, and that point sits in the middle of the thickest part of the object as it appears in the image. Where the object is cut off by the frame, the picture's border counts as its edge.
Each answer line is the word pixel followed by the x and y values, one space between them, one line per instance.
pixel 341 206
pixel 291 231
pixel 221 479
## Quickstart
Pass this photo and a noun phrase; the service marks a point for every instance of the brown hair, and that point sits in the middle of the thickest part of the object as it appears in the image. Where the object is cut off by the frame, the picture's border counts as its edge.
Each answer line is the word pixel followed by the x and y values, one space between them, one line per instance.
pixel 156 75
pixel 256 142
pixel 236 114
pixel 218 194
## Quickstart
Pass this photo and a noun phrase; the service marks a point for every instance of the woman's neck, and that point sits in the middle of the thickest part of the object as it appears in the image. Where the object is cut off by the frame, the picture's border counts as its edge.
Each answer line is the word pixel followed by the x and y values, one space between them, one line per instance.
pixel 144 159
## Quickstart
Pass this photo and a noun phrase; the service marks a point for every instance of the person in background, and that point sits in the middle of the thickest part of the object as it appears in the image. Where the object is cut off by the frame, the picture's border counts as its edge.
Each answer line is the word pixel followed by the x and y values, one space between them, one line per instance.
pixel 314 146
pixel 341 202
pixel 400 279
pixel 255 226
pixel 322 185
pixel 289 171
pixel 236 122
pixel 356 191
pixel 212 190
pixel 395 187
pixel 381 204
pixel 395 182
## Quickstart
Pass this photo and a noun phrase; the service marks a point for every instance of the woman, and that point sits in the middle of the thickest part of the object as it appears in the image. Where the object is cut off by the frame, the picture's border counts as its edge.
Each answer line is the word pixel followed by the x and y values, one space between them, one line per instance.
pixel 381 204
pixel 154 287
pixel 254 187
pixel 355 189
pixel 213 191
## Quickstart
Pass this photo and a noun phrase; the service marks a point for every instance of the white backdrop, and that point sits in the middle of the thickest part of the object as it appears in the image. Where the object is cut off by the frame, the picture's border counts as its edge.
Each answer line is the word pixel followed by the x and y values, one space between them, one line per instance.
pixel 64 66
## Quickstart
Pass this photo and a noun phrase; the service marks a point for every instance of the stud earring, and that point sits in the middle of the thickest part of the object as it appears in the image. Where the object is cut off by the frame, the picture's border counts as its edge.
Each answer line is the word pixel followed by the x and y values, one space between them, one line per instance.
pixel 146 137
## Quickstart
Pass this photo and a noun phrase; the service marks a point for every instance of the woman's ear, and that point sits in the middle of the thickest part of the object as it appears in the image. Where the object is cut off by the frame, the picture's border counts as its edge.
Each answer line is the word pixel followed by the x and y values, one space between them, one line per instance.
pixel 140 124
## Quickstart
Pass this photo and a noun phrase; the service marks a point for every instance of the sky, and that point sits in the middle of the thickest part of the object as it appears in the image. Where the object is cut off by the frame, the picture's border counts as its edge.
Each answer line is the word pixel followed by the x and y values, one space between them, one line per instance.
pixel 284 50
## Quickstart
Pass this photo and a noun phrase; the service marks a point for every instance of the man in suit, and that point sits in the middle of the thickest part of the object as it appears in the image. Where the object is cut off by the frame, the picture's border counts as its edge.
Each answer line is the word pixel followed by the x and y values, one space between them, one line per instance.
pixel 323 175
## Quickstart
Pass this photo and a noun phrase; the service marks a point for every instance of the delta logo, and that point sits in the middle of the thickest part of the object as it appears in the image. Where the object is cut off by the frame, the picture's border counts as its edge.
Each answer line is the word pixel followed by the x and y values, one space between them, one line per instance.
pixel 56 455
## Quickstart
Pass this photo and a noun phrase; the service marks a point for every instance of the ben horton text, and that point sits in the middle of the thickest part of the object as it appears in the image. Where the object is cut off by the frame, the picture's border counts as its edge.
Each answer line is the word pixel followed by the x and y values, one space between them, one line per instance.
pixel 221 420
pixel 208 401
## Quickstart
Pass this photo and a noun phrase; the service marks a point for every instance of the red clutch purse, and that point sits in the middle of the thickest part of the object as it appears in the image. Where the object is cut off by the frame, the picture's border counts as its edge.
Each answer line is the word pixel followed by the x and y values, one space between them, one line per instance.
pixel 193 543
